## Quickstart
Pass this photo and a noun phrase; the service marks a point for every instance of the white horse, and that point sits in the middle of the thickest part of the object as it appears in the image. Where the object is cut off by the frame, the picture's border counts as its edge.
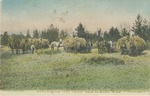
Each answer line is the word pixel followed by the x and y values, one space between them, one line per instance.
pixel 55 44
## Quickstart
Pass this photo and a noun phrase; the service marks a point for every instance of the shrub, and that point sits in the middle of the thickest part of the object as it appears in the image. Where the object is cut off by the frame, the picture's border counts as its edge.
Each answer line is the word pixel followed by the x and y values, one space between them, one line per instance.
pixel 106 60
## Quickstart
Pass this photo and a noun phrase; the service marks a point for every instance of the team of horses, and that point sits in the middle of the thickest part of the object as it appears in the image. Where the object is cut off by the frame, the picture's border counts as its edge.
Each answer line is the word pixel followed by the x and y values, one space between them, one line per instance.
pixel 27 46
pixel 132 50
pixel 106 47
pixel 24 48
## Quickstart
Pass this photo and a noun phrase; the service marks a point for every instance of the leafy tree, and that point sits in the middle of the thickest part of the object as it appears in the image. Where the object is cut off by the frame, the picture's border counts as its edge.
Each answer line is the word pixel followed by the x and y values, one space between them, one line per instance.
pixel 99 37
pixel 124 32
pixel 21 36
pixel 17 37
pixel 52 33
pixel 92 37
pixel 36 34
pixel 63 34
pixel 114 34
pixel 44 34
pixel 5 38
pixel 106 36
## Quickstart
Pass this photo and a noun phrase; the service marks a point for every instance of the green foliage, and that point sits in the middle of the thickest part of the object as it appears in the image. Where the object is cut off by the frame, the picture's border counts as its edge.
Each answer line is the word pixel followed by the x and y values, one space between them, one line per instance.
pixel 36 34
pixel 16 38
pixel 137 28
pixel 124 32
pixel 99 37
pixel 91 37
pixel 114 34
pixel 101 60
pixel 28 34
pixel 52 34
pixel 5 39
pixel 81 31
pixel 63 34
pixel 142 28
pixel 106 36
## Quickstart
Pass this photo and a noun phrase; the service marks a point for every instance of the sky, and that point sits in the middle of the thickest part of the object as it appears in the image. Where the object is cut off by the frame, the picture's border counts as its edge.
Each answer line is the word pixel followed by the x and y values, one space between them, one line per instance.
pixel 21 15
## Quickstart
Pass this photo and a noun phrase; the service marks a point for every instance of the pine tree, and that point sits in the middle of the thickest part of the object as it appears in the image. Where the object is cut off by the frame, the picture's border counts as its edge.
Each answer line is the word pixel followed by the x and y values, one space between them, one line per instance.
pixel 28 34
pixel 81 31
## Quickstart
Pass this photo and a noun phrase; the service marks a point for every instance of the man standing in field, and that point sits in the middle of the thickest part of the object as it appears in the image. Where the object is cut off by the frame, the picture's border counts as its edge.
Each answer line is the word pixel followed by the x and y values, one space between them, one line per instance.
pixel 32 48
pixel 110 46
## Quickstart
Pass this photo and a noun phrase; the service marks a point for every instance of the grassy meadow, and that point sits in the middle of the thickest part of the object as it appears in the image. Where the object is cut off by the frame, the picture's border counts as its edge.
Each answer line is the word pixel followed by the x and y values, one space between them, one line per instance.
pixel 58 70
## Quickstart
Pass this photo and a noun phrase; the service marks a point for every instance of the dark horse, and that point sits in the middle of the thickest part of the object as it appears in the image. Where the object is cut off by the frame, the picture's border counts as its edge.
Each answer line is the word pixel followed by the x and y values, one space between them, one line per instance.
pixel 16 47
pixel 104 47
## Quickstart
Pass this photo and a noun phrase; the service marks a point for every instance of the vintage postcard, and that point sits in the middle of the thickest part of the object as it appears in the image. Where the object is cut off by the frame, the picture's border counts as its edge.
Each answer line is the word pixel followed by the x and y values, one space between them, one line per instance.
pixel 74 47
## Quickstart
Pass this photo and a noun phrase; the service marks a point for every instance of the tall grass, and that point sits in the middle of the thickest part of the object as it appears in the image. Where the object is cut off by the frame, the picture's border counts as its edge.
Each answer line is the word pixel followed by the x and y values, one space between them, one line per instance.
pixel 69 71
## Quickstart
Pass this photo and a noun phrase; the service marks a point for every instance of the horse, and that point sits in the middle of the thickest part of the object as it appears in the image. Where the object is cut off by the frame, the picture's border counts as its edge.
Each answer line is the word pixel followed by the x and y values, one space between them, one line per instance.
pixel 25 48
pixel 105 47
pixel 56 44
pixel 11 45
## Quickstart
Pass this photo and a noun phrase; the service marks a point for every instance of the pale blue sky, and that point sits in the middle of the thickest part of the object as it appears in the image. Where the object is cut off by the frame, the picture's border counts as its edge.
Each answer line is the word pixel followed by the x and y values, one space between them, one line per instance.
pixel 20 15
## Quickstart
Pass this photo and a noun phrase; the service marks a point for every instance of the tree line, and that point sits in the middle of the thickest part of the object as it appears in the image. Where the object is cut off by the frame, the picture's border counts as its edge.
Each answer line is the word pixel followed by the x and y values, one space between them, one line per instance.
pixel 141 28
pixel 51 34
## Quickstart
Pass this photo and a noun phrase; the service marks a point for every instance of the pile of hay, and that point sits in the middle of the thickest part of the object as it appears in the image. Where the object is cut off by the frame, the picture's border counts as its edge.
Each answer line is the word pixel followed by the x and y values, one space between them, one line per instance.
pixel 73 43
pixel 134 40
pixel 39 43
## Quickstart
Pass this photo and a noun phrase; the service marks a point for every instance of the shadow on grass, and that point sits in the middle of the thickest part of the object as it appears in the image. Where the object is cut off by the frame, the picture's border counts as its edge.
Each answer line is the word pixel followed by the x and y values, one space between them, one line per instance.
pixel 106 60
pixel 144 53
pixel 8 55
pixel 136 55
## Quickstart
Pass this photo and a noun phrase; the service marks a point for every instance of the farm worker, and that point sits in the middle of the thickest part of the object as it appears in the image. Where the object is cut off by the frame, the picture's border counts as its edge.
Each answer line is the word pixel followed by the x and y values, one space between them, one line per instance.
pixel 23 48
pixel 123 48
pixel 52 46
pixel 104 48
pixel 133 50
pixel 110 46
pixel 32 48
pixel 60 40
pixel 110 42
